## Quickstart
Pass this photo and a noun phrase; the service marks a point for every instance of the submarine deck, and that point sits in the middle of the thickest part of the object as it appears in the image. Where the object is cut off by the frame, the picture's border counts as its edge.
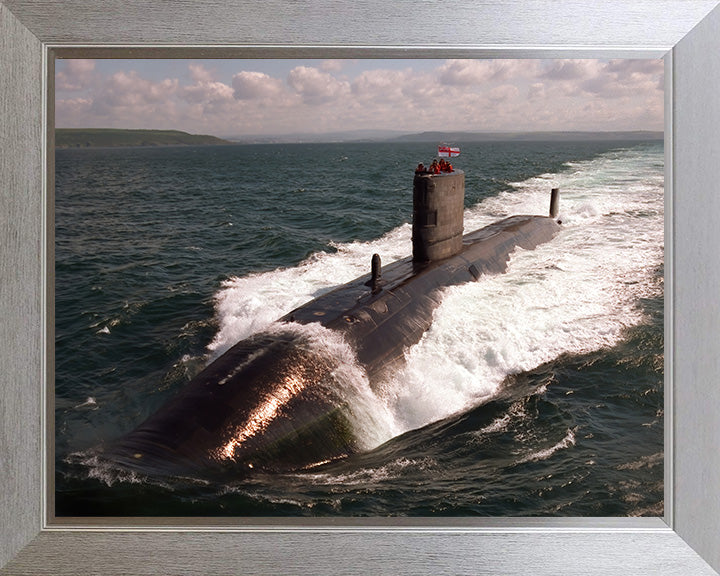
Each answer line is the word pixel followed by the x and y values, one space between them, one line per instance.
pixel 408 290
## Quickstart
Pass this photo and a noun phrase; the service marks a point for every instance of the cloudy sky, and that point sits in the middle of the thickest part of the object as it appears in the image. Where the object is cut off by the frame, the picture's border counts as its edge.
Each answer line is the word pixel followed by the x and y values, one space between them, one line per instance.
pixel 235 98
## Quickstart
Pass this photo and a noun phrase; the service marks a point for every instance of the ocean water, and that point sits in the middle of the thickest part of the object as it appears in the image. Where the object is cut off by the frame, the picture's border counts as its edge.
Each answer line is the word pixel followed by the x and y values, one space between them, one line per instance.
pixel 538 392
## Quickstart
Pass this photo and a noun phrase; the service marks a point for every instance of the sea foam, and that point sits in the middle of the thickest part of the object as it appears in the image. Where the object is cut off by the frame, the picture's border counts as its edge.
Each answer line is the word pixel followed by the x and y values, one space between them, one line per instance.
pixel 575 294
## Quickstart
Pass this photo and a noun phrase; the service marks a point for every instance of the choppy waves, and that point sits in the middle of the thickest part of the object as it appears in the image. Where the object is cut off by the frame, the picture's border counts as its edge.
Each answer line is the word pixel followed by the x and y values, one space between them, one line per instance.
pixel 535 392
pixel 576 294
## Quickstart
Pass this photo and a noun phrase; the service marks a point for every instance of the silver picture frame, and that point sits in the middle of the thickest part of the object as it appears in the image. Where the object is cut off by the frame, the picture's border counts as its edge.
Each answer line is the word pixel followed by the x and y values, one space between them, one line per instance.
pixel 684 32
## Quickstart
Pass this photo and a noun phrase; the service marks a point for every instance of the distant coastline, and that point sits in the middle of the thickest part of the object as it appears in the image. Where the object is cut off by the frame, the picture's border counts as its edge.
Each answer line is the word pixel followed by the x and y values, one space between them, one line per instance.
pixel 575 136
pixel 110 137
pixel 454 137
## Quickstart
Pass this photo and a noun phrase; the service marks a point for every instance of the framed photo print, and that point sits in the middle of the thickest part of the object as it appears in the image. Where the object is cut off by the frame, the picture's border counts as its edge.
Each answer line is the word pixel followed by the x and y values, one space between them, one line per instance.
pixel 277 287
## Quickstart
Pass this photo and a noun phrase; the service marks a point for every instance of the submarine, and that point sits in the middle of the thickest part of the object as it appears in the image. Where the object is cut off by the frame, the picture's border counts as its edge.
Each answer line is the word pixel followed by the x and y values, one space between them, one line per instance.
pixel 271 403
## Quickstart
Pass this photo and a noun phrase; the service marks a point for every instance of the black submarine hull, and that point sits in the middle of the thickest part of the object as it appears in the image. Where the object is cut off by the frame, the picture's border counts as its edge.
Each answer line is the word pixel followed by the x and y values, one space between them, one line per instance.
pixel 272 402
pixel 382 323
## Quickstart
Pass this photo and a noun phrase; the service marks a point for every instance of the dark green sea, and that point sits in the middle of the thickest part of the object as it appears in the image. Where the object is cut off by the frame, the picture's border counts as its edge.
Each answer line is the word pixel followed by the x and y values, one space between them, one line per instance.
pixel 538 392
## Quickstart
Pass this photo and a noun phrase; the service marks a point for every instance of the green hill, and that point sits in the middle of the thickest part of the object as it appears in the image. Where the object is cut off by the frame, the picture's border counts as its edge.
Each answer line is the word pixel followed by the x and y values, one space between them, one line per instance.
pixel 91 137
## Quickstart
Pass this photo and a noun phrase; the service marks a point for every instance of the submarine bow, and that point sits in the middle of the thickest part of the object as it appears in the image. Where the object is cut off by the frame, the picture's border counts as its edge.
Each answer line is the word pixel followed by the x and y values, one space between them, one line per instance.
pixel 270 402
pixel 273 402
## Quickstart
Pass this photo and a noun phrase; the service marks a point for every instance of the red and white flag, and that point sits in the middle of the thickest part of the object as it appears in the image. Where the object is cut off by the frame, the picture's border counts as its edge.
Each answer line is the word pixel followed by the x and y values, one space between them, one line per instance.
pixel 447 152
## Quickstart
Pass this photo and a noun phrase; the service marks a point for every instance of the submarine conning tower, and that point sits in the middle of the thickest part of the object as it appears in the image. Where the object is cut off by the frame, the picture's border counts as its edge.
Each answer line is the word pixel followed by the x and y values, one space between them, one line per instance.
pixel 438 204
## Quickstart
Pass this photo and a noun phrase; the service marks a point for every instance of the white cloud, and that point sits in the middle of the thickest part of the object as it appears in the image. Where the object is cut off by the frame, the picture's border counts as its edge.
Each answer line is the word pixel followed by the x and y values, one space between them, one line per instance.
pixel 129 89
pixel 503 93
pixel 127 100
pixel 75 75
pixel 382 86
pixel 620 78
pixel 537 91
pixel 199 73
pixel 568 70
pixel 329 96
pixel 205 89
pixel 614 79
pixel 256 85
pixel 315 86
pixel 74 112
pixel 332 65
pixel 208 92
pixel 466 72
pixel 483 72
